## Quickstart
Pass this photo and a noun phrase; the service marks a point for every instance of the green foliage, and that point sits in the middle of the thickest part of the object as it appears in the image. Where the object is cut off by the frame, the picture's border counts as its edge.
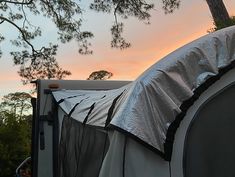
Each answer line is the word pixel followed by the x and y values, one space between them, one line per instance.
pixel 118 41
pixel 136 8
pixel 17 103
pixel 139 9
pixel 221 25
pixel 170 5
pixel 40 62
pixel 67 16
pixel 42 65
pixel 15 132
pixel 100 75
pixel 14 143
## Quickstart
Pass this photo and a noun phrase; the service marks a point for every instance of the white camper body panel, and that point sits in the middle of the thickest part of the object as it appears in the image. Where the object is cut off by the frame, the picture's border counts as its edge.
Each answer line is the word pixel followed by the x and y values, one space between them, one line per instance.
pixel 128 158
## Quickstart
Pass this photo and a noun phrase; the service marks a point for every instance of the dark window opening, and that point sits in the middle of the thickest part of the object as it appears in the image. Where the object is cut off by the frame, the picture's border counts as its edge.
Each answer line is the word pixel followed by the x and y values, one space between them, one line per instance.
pixel 210 142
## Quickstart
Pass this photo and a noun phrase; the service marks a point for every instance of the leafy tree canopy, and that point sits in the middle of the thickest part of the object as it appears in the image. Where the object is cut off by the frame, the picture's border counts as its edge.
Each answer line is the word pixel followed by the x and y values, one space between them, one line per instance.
pixel 100 75
pixel 15 143
pixel 223 24
pixel 40 62
pixel 18 104
pixel 15 132
pixel 67 16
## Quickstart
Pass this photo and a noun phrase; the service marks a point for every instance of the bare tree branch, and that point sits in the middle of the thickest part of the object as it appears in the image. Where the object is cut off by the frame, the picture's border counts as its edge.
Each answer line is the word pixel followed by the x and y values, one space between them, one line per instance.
pixel 20 30
pixel 17 2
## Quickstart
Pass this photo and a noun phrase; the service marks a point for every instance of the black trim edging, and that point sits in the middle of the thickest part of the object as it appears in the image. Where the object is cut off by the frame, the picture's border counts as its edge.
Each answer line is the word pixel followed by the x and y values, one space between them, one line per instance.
pixel 170 136
pixel 34 147
pixel 111 109
pixel 148 146
pixel 55 138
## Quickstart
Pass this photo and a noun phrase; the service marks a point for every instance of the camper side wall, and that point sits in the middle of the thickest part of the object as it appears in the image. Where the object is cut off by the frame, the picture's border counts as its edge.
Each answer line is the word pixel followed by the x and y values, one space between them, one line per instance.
pixel 43 129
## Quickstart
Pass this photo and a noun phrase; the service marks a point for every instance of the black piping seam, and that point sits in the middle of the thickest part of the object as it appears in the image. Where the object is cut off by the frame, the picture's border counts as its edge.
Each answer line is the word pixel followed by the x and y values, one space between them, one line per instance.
pixel 103 97
pixel 137 139
pixel 55 138
pixel 170 136
pixel 72 110
pixel 83 123
pixel 36 133
pixel 80 148
pixel 124 158
pixel 34 137
pixel 105 144
pixel 169 165
pixel 211 98
pixel 86 118
pixel 82 134
pixel 110 111
pixel 63 99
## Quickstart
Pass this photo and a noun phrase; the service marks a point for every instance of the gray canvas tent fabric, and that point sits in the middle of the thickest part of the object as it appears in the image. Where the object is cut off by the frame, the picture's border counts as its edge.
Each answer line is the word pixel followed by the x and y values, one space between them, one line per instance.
pixel 147 107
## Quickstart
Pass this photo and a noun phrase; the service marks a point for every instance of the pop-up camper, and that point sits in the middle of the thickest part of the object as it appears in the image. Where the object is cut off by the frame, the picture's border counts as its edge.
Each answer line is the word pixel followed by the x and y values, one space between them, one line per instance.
pixel 177 119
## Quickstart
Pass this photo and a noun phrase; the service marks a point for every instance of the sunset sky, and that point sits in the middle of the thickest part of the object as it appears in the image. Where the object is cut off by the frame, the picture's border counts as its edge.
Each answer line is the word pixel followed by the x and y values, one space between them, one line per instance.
pixel 149 43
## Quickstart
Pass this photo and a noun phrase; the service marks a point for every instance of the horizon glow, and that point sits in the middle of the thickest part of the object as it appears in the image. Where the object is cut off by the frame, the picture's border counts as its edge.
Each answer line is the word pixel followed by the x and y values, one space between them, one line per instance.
pixel 149 43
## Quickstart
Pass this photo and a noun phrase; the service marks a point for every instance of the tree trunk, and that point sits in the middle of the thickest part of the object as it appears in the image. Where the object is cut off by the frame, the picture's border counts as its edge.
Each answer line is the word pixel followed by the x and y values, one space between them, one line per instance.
pixel 218 11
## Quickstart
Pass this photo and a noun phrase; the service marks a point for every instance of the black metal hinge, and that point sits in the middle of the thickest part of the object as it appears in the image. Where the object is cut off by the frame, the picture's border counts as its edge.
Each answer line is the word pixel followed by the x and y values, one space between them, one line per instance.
pixel 44 118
